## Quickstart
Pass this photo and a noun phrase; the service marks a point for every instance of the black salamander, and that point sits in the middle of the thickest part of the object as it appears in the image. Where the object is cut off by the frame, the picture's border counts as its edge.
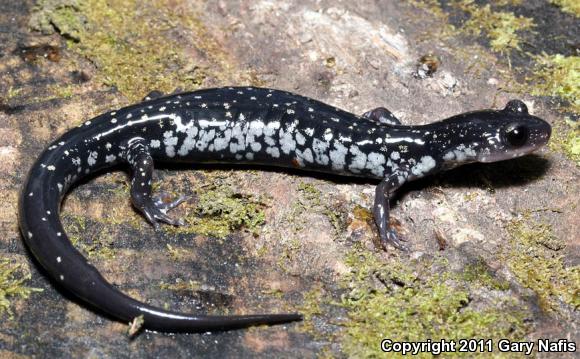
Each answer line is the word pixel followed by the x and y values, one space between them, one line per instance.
pixel 246 125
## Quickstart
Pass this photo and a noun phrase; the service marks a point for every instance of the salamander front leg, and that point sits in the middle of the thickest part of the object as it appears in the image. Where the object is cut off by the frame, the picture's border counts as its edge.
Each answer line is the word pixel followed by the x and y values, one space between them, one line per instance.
pixel 381 214
pixel 154 208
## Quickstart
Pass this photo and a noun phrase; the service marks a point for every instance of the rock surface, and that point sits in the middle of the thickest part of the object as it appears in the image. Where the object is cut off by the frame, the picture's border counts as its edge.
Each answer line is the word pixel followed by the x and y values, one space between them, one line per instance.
pixel 494 248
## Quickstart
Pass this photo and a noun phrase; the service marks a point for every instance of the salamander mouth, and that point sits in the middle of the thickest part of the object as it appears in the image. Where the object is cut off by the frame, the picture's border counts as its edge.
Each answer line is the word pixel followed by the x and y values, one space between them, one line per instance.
pixel 505 155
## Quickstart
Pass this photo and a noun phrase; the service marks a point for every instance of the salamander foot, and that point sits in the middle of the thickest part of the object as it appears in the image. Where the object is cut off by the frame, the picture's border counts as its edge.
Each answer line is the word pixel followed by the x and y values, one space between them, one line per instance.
pixel 155 209
pixel 391 237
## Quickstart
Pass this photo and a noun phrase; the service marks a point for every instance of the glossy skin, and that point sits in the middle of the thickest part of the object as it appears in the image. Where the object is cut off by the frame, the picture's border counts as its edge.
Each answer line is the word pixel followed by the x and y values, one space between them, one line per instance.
pixel 246 125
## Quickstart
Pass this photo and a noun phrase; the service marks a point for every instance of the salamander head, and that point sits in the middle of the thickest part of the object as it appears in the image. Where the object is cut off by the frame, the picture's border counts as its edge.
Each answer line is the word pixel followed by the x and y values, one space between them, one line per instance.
pixel 518 133
pixel 490 136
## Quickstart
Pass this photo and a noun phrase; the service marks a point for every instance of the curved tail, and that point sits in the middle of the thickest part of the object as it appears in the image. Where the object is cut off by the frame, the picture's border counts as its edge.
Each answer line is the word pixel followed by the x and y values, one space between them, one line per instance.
pixel 44 235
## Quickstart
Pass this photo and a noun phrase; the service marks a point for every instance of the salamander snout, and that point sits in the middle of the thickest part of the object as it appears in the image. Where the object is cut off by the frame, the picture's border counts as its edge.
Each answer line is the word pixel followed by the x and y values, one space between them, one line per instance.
pixel 531 134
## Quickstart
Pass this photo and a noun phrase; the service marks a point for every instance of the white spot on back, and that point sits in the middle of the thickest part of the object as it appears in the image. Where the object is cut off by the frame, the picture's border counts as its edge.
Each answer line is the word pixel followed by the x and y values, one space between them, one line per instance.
pixel 92 159
pixel 170 142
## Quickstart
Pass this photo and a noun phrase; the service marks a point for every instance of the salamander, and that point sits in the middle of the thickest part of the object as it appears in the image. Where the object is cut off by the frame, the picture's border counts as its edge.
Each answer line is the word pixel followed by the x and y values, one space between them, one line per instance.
pixel 252 126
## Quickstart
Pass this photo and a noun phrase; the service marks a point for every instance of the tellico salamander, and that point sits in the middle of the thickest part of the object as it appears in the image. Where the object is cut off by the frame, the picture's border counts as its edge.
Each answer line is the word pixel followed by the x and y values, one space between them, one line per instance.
pixel 246 125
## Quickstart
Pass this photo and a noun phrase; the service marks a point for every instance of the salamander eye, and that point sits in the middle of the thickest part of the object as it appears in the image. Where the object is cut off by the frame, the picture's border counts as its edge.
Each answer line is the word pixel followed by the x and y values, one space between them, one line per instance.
pixel 516 135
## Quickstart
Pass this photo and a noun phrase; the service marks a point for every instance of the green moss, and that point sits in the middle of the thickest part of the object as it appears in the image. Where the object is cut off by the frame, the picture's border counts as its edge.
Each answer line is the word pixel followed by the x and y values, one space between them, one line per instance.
pixel 311 307
pixel 262 251
pixel 470 196
pixel 309 200
pixel 507 2
pixel 13 276
pixel 12 92
pixel 311 193
pixel 501 28
pixel 220 211
pixel 535 260
pixel 178 254
pixel 478 272
pixel 313 200
pixel 553 75
pixel 132 43
pixel 99 246
pixel 402 301
pixel 569 6
pixel 63 16
pixel 134 55
pixel 65 92
pixel 288 253
pixel 311 303
pixel 182 286
pixel 566 139
pixel 433 7
pixel 61 92
pixel 558 75
pixel 336 219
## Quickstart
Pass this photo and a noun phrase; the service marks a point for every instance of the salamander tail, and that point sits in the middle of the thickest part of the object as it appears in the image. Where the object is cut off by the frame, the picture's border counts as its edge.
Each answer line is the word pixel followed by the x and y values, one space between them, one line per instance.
pixel 44 235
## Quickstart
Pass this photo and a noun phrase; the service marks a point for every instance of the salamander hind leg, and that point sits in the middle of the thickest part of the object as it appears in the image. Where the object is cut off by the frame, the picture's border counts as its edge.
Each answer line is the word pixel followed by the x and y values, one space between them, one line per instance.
pixel 382 116
pixel 381 214
pixel 154 208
